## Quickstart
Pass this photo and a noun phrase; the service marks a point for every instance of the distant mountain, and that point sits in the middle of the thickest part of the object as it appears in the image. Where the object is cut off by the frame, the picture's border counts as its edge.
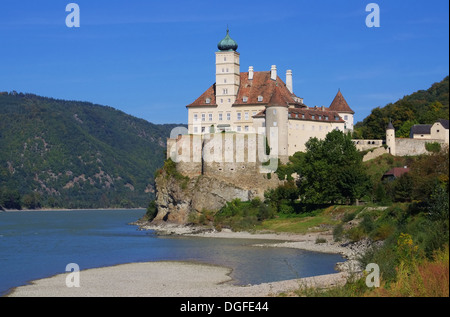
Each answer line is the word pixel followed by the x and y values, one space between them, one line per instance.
pixel 421 107
pixel 71 154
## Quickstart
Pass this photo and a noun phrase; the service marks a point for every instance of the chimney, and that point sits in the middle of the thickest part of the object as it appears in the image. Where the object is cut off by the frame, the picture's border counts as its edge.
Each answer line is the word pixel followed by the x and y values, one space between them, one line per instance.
pixel 273 72
pixel 250 73
pixel 289 81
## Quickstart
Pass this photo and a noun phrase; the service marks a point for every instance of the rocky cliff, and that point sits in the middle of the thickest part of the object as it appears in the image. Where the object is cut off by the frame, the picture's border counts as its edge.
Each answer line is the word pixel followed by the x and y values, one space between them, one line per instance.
pixel 178 196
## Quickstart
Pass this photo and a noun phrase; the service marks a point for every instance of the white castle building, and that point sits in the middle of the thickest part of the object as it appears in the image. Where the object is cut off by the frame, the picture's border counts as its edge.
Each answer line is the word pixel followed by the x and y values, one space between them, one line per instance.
pixel 243 102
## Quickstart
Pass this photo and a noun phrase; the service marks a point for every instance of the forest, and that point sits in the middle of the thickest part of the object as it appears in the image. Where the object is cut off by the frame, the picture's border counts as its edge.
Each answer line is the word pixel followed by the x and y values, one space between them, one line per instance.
pixel 421 107
pixel 73 154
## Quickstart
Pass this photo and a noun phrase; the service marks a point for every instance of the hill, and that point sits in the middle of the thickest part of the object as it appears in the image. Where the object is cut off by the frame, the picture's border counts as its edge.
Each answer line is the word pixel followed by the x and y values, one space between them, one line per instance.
pixel 421 107
pixel 72 154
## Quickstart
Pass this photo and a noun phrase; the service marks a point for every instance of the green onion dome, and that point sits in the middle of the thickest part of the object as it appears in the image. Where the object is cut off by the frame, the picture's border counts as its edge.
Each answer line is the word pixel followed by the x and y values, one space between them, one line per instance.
pixel 227 44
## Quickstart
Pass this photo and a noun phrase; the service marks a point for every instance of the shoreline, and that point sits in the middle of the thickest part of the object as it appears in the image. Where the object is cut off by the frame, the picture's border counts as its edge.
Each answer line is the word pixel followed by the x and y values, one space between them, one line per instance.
pixel 192 279
pixel 67 209
pixel 165 279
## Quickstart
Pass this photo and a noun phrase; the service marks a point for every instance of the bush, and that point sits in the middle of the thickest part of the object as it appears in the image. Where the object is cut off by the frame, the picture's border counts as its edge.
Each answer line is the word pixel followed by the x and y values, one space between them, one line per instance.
pixel 338 232
pixel 355 234
pixel 152 211
pixel 434 147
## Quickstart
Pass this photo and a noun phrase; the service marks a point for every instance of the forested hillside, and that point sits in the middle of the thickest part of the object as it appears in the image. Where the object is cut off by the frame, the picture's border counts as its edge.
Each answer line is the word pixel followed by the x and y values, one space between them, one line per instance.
pixel 421 107
pixel 70 154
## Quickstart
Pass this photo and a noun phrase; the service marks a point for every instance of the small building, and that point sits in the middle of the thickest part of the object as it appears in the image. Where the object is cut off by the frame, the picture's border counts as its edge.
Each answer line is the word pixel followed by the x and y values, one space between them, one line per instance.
pixel 394 173
pixel 436 131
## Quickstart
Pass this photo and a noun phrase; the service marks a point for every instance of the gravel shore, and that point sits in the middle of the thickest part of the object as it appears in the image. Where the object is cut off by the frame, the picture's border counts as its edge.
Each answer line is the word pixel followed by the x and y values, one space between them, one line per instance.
pixel 187 279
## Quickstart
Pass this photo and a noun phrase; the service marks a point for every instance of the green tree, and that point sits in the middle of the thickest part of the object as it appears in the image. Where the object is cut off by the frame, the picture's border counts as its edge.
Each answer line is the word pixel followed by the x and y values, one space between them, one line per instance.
pixel 332 171
pixel 10 198
pixel 32 201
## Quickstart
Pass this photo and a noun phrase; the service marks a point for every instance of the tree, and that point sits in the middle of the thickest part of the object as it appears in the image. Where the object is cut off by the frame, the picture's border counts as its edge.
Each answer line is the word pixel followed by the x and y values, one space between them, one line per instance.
pixel 10 199
pixel 332 171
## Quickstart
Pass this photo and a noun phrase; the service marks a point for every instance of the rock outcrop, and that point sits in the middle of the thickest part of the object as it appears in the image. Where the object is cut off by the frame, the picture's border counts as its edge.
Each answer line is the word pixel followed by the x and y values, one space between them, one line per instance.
pixel 179 196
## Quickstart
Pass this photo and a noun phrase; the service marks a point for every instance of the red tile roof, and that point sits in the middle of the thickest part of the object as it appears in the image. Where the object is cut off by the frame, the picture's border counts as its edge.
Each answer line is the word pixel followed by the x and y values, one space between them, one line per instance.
pixel 263 85
pixel 339 104
pixel 201 101
pixel 314 114
pixel 397 171
pixel 260 85
pixel 309 114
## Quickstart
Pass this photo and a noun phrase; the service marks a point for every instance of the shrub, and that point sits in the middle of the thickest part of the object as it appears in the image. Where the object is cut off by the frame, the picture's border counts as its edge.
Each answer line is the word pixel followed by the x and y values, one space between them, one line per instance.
pixel 434 147
pixel 320 240
pixel 338 232
pixel 152 211
pixel 349 216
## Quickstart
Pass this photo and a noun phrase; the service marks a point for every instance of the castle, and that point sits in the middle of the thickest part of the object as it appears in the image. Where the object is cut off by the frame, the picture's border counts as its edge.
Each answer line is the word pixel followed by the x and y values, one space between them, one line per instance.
pixel 242 111
pixel 255 102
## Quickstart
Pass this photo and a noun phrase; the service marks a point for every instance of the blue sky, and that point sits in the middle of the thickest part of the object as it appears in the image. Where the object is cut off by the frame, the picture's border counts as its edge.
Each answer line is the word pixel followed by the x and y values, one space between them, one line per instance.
pixel 152 58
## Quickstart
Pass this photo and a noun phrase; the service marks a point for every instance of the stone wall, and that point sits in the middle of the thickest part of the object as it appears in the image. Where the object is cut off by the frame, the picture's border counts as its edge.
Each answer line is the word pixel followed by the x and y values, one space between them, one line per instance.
pixel 363 145
pixel 412 147
pixel 228 156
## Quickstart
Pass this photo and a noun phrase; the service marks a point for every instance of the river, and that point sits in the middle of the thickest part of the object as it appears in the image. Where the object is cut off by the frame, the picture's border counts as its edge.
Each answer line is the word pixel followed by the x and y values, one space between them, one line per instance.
pixel 38 244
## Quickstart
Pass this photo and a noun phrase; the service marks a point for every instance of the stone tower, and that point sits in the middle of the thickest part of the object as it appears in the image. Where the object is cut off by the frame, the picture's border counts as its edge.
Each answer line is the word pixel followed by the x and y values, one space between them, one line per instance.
pixel 227 71
pixel 277 124
pixel 390 138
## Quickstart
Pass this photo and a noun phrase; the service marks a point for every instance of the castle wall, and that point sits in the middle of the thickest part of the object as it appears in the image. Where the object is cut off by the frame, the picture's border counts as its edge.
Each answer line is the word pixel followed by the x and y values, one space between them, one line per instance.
pixel 228 156
pixel 300 131
pixel 412 147
pixel 363 145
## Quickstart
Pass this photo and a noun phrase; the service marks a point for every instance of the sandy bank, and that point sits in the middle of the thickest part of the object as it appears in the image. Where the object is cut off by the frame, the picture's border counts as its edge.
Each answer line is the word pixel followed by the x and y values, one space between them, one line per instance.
pixel 187 279
pixel 163 279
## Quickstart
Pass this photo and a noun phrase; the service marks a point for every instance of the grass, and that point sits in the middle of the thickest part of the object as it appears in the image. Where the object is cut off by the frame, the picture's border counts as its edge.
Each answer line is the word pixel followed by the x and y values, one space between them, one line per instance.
pixel 316 221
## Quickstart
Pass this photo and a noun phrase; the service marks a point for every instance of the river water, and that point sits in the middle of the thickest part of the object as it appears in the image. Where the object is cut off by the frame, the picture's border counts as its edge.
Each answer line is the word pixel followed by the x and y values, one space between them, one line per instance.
pixel 38 244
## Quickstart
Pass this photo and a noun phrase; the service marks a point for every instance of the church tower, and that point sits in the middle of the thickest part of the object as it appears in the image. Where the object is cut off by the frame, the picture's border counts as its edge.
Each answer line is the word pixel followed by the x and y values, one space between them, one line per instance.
pixel 227 71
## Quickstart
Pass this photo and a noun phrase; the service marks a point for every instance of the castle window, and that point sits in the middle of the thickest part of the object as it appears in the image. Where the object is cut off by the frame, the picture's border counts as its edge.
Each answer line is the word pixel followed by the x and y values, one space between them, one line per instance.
pixel 223 70
pixel 239 128
pixel 220 116
pixel 303 116
pixel 227 70
pixel 320 117
pixel 326 117
pixel 260 98
pixel 274 123
pixel 225 59
pixel 221 100
pixel 195 117
pixel 254 113
pixel 224 80
pixel 225 91
pixel 245 99
pixel 239 116
pixel 228 116
pixel 246 116
pixel 195 129
pixel 289 115
pixel 296 115
pixel 274 111
pixel 203 129
pixel 210 117
pixel 203 117
pixel 208 100
pixel 345 118
pixel 313 117
pixel 246 128
pixel 229 99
